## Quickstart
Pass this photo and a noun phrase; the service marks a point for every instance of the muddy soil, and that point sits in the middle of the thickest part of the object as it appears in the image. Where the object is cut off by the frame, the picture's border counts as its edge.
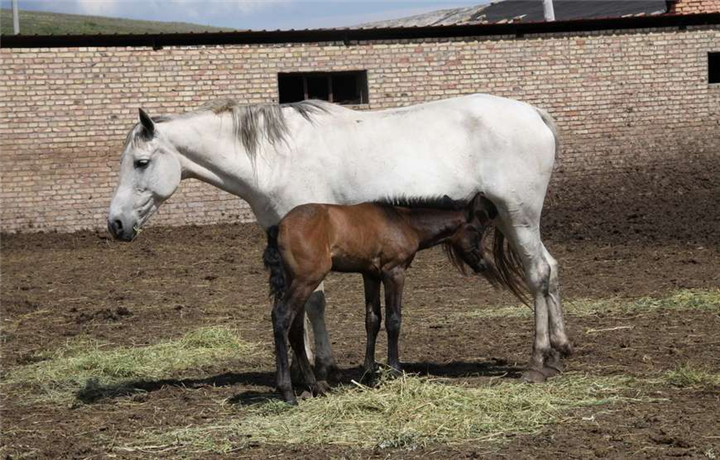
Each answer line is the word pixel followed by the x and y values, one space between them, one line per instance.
pixel 169 281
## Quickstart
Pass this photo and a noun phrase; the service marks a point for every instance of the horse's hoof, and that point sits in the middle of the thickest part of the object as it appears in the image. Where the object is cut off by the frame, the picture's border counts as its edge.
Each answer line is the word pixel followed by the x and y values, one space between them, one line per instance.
pixel 328 372
pixel 334 374
pixel 553 365
pixel 550 371
pixel 306 395
pixel 564 348
pixel 533 376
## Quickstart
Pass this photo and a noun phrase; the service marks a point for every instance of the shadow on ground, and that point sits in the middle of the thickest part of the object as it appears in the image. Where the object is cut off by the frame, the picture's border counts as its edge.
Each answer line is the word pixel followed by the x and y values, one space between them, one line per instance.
pixel 94 392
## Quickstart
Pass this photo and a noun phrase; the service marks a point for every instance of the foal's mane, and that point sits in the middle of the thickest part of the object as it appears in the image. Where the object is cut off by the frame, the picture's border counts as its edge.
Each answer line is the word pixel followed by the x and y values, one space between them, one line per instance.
pixel 251 122
pixel 414 202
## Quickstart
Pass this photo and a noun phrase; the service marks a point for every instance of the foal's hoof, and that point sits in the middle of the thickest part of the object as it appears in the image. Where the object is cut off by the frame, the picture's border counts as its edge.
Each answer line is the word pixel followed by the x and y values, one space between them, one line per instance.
pixel 321 388
pixel 391 372
pixel 533 376
pixel 289 397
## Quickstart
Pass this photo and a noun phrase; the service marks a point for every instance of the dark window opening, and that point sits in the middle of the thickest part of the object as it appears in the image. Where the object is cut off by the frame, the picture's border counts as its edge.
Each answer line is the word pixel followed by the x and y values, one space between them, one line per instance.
pixel 338 87
pixel 713 67
pixel 318 88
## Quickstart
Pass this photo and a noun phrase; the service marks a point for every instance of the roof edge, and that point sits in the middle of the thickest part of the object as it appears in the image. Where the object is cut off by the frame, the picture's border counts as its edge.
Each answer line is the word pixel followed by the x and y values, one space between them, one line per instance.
pixel 157 41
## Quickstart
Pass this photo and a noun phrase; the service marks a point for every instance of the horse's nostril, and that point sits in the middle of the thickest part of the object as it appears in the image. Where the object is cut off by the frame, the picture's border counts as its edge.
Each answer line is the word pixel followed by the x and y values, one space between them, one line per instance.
pixel 115 227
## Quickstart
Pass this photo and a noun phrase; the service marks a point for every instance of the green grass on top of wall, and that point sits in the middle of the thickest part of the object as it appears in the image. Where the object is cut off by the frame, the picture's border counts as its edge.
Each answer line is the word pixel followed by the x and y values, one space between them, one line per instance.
pixel 42 23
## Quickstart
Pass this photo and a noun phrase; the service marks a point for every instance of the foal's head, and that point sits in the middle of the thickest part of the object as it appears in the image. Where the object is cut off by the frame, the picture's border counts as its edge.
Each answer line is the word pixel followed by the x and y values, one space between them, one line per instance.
pixel 466 247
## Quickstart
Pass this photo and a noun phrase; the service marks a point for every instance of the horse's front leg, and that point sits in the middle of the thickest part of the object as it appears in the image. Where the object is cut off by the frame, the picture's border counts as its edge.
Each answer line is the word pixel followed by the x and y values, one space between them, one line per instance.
pixel 394 282
pixel 325 368
pixel 561 346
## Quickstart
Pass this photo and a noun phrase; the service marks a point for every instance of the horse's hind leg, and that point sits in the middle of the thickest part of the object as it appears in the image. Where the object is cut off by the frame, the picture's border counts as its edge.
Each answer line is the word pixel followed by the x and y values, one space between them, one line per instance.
pixel 522 230
pixel 325 368
pixel 297 343
pixel 372 319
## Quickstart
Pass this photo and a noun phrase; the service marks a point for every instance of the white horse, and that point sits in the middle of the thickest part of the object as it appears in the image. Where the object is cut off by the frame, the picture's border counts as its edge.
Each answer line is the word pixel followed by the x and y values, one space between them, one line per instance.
pixel 277 157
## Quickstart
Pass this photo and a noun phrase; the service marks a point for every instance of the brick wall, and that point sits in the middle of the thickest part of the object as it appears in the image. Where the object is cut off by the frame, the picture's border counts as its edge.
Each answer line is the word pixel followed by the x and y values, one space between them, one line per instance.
pixel 694 6
pixel 622 99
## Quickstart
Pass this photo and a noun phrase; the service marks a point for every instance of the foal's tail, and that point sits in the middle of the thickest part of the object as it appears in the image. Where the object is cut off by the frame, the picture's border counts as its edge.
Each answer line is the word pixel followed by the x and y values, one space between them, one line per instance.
pixel 273 262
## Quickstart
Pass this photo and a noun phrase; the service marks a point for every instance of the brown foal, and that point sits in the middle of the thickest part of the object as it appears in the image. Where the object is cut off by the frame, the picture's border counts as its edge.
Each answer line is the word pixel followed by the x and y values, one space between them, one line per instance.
pixel 375 239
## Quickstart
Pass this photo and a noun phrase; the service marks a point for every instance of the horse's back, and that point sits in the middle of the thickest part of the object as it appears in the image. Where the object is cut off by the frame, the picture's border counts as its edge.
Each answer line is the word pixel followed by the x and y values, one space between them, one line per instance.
pixel 455 147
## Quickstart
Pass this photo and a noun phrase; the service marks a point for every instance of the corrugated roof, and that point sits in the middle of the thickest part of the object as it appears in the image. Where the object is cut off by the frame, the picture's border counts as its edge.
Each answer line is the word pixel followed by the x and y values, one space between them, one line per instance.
pixel 528 11
pixel 565 10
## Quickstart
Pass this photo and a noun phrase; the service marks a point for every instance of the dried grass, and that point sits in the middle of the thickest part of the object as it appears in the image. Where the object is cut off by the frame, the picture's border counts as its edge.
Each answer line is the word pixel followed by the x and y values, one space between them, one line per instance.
pixel 89 367
pixel 687 299
pixel 408 412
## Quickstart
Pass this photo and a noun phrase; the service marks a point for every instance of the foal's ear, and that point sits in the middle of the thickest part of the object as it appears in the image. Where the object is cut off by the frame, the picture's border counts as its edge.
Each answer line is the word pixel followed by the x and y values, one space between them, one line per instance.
pixel 484 209
pixel 147 122
pixel 449 203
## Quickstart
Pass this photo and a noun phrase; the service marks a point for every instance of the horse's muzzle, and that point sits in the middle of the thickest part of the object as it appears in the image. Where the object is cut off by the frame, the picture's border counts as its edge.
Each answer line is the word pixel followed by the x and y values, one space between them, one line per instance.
pixel 120 231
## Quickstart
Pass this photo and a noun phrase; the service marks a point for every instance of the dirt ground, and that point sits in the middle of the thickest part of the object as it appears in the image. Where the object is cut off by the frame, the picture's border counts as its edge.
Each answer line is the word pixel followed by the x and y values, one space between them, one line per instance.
pixel 170 281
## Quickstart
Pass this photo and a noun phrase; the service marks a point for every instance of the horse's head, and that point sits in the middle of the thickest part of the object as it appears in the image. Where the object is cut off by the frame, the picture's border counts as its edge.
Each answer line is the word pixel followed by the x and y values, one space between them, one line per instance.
pixel 150 172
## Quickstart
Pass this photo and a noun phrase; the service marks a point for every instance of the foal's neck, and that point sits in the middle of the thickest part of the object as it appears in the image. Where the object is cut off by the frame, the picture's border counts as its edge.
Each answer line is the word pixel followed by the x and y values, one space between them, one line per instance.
pixel 434 226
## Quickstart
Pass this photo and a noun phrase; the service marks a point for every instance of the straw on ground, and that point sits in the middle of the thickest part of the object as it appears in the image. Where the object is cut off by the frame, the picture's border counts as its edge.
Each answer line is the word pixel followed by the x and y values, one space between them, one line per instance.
pixel 686 299
pixel 87 368
pixel 407 412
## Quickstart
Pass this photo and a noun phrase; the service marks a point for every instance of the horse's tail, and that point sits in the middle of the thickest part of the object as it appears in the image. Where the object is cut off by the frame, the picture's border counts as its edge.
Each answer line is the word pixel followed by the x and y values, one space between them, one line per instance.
pixel 273 262
pixel 550 123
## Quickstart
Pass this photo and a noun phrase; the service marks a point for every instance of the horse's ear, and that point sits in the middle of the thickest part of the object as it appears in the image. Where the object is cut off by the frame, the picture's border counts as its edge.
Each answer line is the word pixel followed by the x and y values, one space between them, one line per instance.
pixel 147 122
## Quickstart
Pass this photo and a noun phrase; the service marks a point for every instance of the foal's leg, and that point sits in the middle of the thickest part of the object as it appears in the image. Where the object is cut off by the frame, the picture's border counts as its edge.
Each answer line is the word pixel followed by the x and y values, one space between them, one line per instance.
pixel 284 314
pixel 372 319
pixel 394 282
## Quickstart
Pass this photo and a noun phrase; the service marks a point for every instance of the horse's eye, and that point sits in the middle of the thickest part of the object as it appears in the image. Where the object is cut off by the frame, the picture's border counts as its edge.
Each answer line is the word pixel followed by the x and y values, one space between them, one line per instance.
pixel 140 164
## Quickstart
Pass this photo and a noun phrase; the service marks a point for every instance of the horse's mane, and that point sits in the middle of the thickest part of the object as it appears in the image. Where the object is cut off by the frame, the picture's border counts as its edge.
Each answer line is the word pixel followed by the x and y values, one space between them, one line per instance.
pixel 251 122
